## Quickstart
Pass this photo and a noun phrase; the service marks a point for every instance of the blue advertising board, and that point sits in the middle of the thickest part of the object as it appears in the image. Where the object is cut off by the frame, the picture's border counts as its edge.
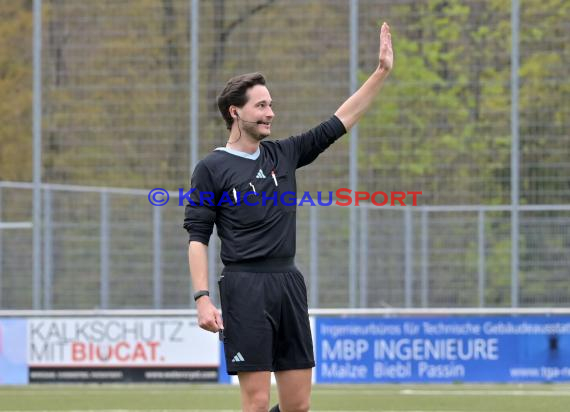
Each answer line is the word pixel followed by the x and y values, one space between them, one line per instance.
pixel 13 352
pixel 443 349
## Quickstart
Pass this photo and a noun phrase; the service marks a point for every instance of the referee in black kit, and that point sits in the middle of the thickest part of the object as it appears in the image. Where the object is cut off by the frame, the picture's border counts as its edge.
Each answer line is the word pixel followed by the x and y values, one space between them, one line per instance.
pixel 240 188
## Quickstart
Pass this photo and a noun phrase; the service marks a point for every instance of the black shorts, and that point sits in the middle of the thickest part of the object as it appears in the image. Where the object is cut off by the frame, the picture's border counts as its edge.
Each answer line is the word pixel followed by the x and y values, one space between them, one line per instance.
pixel 266 318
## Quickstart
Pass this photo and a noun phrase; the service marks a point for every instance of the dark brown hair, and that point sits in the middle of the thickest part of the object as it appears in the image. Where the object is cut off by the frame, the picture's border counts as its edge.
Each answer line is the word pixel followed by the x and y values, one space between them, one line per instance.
pixel 234 94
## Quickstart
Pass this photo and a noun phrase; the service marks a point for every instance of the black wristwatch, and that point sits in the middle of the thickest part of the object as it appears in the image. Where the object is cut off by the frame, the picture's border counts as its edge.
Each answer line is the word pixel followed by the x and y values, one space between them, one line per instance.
pixel 201 293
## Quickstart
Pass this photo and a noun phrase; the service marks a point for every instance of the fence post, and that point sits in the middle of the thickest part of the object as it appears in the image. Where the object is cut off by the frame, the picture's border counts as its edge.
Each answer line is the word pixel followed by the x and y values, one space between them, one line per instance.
pixel 425 259
pixel 157 256
pixel 104 252
pixel 363 284
pixel 194 83
pixel 353 154
pixel 408 261
pixel 37 154
pixel 48 249
pixel 194 99
pixel 515 153
pixel 481 265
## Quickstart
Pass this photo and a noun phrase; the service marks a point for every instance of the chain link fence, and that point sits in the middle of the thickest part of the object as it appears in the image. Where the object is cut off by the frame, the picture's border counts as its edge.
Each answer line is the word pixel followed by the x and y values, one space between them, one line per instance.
pixel 128 101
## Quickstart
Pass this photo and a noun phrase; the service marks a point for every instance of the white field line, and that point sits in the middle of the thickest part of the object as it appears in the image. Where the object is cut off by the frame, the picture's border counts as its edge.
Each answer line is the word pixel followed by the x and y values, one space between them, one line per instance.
pixel 237 410
pixel 118 410
pixel 207 391
pixel 475 392
pixel 90 391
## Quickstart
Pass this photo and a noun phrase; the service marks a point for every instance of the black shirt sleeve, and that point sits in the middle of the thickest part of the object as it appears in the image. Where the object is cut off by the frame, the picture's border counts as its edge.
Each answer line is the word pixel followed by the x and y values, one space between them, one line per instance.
pixel 306 147
pixel 200 211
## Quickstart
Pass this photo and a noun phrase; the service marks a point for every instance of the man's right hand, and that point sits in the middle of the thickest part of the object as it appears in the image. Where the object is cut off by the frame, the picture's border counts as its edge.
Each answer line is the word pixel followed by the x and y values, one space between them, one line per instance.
pixel 209 318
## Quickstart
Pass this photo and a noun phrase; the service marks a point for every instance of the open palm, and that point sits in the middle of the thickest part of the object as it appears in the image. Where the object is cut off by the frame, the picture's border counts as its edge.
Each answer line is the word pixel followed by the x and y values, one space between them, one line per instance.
pixel 386 56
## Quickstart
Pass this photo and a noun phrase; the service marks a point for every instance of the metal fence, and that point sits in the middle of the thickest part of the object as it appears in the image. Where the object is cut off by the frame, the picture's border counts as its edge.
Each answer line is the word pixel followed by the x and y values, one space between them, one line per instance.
pixel 475 116
pixel 110 248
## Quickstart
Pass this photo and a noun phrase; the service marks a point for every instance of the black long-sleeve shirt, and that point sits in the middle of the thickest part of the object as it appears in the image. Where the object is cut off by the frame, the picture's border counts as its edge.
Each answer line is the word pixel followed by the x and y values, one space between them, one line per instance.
pixel 258 231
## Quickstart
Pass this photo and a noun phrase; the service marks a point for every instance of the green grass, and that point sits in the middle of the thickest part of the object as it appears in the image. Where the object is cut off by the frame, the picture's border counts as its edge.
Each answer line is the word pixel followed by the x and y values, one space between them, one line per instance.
pixel 178 398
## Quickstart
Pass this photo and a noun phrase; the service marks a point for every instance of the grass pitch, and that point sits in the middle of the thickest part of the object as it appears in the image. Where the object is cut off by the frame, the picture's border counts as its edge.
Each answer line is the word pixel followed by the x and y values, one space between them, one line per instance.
pixel 225 398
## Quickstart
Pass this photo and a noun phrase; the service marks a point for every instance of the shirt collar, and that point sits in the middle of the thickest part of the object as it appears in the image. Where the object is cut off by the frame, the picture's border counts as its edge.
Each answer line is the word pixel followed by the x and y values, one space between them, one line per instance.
pixel 250 156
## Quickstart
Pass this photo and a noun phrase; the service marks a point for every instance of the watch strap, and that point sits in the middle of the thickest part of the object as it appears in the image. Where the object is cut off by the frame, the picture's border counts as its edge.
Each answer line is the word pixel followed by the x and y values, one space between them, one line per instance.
pixel 201 293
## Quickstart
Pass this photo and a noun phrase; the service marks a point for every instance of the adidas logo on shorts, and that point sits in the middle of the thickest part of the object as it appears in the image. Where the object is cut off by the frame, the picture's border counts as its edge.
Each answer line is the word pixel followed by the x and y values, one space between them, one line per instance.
pixel 238 358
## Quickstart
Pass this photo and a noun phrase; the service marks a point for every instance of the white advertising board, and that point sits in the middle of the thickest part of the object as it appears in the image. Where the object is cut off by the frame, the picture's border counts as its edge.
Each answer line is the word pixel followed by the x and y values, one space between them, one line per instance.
pixel 151 347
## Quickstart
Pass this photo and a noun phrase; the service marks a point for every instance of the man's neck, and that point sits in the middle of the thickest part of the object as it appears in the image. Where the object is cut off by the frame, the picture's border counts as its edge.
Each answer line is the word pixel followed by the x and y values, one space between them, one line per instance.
pixel 243 144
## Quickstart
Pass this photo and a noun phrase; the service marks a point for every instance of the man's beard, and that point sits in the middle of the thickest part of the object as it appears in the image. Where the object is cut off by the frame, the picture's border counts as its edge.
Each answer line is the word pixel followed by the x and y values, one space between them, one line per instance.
pixel 253 131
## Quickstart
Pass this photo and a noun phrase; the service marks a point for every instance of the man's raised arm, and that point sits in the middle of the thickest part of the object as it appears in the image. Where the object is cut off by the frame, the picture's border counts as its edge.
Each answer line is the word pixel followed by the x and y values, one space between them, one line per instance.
pixel 356 105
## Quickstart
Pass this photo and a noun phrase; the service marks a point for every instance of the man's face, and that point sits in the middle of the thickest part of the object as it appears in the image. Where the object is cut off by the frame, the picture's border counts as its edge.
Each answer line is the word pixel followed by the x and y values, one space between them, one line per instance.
pixel 257 108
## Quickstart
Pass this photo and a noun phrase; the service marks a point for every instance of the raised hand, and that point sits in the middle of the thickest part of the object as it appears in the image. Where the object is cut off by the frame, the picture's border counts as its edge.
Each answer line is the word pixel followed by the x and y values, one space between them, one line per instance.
pixel 386 55
pixel 356 105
